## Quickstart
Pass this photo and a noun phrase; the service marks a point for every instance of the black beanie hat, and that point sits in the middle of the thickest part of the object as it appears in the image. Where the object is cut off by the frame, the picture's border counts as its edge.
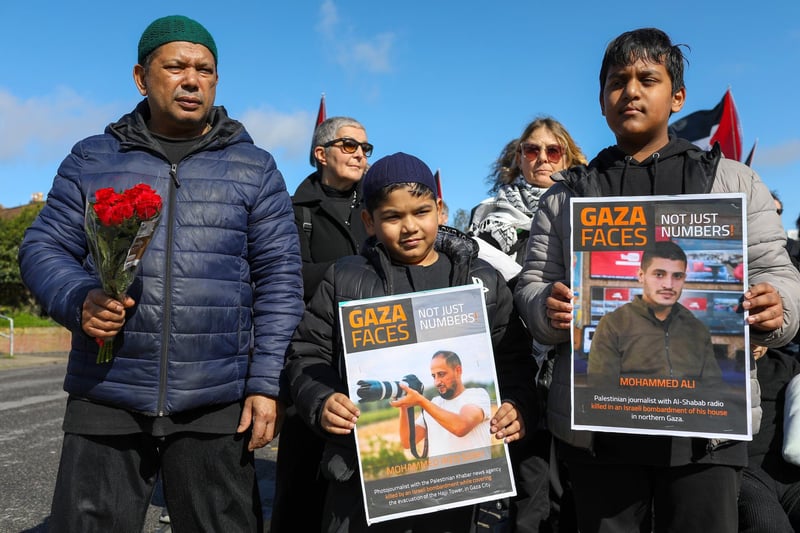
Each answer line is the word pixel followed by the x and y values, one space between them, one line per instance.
pixel 396 168
pixel 174 28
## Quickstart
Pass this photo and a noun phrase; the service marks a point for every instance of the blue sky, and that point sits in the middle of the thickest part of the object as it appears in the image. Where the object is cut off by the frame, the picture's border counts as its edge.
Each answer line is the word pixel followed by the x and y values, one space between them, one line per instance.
pixel 450 82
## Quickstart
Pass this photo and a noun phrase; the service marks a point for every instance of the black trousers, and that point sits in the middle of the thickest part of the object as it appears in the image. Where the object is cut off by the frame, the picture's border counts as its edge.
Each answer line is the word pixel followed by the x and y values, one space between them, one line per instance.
pixel 105 483
pixel 530 459
pixel 631 498
pixel 297 480
pixel 766 505
pixel 344 513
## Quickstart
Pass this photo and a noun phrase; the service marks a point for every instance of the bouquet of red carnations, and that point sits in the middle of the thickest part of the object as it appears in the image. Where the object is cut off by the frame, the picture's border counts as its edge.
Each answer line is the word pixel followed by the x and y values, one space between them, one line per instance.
pixel 119 227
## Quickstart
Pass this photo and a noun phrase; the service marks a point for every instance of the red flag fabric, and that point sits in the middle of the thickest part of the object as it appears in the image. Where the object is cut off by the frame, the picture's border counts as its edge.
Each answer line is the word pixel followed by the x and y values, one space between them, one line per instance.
pixel 720 124
pixel 321 116
pixel 321 112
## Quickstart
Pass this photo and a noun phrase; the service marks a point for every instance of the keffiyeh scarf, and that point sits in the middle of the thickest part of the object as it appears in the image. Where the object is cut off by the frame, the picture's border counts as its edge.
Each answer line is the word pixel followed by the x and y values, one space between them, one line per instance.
pixel 503 217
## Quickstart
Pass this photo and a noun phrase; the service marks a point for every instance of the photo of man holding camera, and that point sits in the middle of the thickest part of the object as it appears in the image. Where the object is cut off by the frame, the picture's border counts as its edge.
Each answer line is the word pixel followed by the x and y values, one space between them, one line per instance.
pixel 457 420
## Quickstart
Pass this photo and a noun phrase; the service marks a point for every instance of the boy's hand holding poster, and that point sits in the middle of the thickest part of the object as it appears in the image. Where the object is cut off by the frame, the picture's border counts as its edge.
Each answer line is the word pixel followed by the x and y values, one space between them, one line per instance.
pixel 421 368
pixel 660 342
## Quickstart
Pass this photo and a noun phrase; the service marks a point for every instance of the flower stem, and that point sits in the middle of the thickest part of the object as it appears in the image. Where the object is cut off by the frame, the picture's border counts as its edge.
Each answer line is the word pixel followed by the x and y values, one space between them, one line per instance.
pixel 106 352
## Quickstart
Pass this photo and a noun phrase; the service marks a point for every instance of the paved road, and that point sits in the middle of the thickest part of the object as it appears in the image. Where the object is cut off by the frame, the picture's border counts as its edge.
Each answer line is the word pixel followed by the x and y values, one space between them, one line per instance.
pixel 31 410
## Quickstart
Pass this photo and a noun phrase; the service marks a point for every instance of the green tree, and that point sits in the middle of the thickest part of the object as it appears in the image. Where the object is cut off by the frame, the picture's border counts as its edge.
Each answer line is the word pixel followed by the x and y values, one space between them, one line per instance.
pixel 461 220
pixel 13 293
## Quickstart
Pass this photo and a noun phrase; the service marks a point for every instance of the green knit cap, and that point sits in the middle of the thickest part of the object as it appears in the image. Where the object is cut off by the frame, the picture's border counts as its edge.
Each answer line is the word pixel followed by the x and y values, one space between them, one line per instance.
pixel 174 28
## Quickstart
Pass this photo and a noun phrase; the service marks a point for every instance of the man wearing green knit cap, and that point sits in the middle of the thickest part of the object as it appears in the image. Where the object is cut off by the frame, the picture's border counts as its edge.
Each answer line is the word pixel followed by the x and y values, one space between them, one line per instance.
pixel 174 28
pixel 193 386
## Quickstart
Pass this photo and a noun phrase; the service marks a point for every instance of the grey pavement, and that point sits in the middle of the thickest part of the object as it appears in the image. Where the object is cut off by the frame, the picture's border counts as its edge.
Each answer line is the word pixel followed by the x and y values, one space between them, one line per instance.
pixel 265 457
pixel 29 360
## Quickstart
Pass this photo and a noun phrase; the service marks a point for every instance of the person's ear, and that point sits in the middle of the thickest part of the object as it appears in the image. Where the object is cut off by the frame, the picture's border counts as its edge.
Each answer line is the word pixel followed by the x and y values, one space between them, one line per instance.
pixel 140 79
pixel 320 155
pixel 369 222
pixel 640 274
pixel 678 99
pixel 602 104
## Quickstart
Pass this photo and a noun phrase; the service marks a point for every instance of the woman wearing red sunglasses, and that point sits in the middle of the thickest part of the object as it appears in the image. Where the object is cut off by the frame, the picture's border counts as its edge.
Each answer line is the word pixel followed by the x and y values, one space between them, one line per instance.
pixel 519 177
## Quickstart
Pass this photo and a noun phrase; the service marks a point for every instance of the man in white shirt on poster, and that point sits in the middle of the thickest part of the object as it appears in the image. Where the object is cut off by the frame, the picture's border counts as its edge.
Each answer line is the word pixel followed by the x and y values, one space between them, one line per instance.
pixel 455 421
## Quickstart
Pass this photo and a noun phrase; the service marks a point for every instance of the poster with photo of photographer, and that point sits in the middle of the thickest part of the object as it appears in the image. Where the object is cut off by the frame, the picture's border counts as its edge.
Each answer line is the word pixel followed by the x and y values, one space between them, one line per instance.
pixel 408 358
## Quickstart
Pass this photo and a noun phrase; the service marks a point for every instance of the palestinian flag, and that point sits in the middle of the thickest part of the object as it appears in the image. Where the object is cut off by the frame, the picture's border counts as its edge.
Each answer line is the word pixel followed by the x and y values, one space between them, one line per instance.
pixel 749 160
pixel 321 116
pixel 721 124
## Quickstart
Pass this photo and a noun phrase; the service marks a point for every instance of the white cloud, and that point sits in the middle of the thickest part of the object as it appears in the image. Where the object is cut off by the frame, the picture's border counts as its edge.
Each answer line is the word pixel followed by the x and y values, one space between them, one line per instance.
pixel 43 128
pixel 374 56
pixel 280 132
pixel 350 52
pixel 782 154
pixel 47 126
pixel 328 19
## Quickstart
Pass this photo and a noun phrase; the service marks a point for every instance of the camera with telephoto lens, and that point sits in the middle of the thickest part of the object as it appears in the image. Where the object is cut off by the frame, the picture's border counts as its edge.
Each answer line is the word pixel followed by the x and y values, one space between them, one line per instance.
pixel 372 390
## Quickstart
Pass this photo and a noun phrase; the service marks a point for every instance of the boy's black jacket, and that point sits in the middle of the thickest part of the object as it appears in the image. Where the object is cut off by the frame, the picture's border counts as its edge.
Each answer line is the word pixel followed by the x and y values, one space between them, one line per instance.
pixel 613 173
pixel 315 369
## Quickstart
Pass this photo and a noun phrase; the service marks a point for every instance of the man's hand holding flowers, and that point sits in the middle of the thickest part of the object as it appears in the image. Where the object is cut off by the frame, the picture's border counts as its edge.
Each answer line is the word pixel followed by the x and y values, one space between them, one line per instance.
pixel 102 316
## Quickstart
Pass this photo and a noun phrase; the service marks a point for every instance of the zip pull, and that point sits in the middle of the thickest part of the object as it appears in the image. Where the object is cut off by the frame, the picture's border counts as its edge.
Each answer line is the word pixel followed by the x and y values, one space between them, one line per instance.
pixel 173 172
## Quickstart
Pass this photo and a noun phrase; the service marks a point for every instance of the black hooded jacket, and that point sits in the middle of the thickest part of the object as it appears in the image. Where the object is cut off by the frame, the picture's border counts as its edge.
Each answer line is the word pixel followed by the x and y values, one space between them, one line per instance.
pixel 613 173
pixel 315 367
pixel 324 238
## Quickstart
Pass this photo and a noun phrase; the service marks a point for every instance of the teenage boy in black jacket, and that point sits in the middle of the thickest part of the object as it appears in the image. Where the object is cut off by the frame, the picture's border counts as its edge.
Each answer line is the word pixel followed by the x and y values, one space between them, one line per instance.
pixel 689 484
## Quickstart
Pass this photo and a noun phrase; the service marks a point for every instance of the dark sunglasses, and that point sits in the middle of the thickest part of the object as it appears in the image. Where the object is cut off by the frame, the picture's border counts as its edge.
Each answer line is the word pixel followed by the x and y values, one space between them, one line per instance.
pixel 349 146
pixel 531 152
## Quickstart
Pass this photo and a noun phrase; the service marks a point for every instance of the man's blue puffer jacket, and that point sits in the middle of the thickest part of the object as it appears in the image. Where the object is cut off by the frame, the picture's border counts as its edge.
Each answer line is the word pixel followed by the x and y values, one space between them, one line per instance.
pixel 221 277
